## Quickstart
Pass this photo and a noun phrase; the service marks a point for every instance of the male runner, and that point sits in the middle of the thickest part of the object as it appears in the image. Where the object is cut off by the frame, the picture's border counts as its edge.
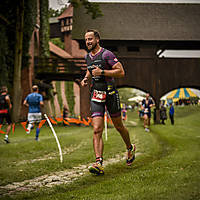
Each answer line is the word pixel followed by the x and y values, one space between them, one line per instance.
pixel 34 101
pixel 146 106
pixel 5 107
pixel 102 68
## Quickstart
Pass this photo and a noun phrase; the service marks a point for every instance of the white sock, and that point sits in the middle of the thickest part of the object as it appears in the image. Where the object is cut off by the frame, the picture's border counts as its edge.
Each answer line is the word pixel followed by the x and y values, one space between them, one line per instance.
pixel 29 127
pixel 6 136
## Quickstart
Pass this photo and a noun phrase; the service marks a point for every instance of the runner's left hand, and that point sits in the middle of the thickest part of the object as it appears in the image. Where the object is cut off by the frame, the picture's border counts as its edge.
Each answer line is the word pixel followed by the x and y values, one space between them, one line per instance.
pixel 96 71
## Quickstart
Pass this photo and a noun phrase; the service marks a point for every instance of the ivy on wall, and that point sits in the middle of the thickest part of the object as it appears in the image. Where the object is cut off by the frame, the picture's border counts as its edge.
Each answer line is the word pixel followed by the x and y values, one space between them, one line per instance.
pixel 7 41
pixel 52 106
pixel 30 15
pixel 4 69
pixel 69 92
pixel 58 42
pixel 58 90
pixel 7 37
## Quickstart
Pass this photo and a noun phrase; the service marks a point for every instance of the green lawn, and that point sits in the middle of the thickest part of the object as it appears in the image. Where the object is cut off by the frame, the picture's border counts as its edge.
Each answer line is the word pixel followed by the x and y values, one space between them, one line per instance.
pixel 167 164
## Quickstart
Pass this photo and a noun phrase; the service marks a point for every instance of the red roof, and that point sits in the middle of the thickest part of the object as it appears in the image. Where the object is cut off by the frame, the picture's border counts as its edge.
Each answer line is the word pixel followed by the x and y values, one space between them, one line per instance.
pixel 67 13
pixel 58 51
pixel 76 51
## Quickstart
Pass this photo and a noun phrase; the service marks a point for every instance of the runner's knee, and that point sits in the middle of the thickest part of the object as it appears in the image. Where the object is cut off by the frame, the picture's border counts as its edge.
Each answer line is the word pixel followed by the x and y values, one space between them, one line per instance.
pixel 97 129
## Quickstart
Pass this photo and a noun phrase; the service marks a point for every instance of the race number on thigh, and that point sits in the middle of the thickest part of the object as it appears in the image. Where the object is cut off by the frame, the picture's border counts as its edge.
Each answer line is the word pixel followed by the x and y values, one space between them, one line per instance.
pixel 99 96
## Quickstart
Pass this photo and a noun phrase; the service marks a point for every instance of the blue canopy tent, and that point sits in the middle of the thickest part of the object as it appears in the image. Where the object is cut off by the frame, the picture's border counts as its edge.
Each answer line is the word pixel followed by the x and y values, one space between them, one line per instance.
pixel 181 93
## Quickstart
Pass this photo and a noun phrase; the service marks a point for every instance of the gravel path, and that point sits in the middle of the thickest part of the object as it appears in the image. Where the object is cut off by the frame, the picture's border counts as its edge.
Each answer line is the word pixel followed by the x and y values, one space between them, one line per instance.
pixel 62 177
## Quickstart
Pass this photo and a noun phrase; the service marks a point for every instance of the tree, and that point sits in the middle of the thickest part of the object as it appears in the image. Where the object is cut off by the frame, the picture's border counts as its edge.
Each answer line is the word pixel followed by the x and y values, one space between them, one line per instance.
pixel 44 29
pixel 125 94
pixel 3 56
pixel 92 8
pixel 19 21
pixel 17 95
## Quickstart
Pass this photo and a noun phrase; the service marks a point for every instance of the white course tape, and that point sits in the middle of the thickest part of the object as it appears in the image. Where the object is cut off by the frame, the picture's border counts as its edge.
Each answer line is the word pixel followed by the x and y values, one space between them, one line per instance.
pixel 54 133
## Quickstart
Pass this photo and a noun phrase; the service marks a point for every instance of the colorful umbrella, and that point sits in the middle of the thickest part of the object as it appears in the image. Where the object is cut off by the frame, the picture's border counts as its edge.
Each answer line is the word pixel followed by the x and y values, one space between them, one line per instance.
pixel 181 93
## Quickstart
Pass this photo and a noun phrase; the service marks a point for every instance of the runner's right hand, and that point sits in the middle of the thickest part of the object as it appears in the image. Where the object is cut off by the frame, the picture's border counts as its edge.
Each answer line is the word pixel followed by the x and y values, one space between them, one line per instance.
pixel 84 82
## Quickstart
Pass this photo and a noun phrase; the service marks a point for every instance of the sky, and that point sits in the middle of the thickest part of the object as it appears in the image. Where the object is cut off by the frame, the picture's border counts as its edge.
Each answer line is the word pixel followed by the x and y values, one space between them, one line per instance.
pixel 57 4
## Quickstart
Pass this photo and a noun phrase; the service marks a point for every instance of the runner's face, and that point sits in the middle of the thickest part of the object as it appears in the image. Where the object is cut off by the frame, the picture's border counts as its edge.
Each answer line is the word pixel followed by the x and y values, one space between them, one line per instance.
pixel 147 95
pixel 90 41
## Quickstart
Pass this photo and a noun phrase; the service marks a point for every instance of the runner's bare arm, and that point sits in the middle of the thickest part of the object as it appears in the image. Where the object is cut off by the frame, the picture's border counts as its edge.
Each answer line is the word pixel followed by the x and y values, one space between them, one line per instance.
pixel 84 82
pixel 8 102
pixel 25 103
pixel 117 71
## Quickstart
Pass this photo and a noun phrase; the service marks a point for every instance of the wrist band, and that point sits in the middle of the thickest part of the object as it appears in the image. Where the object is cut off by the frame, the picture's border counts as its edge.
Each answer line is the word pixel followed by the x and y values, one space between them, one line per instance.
pixel 102 72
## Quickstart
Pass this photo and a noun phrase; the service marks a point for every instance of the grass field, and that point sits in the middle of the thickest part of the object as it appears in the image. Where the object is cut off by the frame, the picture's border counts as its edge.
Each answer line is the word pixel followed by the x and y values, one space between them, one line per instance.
pixel 167 164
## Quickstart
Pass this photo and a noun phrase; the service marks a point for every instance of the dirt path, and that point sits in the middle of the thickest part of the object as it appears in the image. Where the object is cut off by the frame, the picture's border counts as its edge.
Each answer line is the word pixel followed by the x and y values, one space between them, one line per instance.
pixel 56 178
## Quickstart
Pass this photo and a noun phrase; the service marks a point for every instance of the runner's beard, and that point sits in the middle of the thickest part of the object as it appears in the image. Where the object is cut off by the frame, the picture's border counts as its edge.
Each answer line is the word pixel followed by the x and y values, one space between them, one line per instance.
pixel 93 47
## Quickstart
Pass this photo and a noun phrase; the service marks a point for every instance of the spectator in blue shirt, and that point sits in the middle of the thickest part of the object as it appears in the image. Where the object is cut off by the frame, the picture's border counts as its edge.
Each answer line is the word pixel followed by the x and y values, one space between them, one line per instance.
pixel 171 113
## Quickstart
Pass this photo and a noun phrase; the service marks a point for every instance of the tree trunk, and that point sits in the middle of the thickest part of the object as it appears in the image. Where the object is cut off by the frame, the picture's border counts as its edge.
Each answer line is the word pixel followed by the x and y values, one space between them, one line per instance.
pixel 44 29
pixel 17 92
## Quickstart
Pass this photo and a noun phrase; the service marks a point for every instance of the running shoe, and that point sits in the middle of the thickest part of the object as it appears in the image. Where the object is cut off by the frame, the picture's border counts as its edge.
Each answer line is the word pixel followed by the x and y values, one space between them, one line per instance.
pixel 147 130
pixel 6 140
pixel 97 169
pixel 28 131
pixel 131 155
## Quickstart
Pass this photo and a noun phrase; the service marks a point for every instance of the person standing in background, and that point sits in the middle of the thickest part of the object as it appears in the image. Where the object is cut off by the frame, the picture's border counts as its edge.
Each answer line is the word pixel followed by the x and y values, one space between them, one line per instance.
pixel 163 114
pixel 171 113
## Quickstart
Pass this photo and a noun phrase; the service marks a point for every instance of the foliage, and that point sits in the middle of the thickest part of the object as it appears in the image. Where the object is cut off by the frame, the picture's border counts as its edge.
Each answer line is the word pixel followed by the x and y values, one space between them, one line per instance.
pixel 8 40
pixel 56 13
pixel 125 94
pixel 92 8
pixel 4 69
pixel 58 42
pixel 69 92
pixel 58 91
pixel 30 14
pixel 52 105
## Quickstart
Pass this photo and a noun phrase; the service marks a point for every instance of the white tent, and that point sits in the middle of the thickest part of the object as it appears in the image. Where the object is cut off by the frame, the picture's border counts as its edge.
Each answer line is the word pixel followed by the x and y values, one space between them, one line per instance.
pixel 164 98
pixel 137 98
